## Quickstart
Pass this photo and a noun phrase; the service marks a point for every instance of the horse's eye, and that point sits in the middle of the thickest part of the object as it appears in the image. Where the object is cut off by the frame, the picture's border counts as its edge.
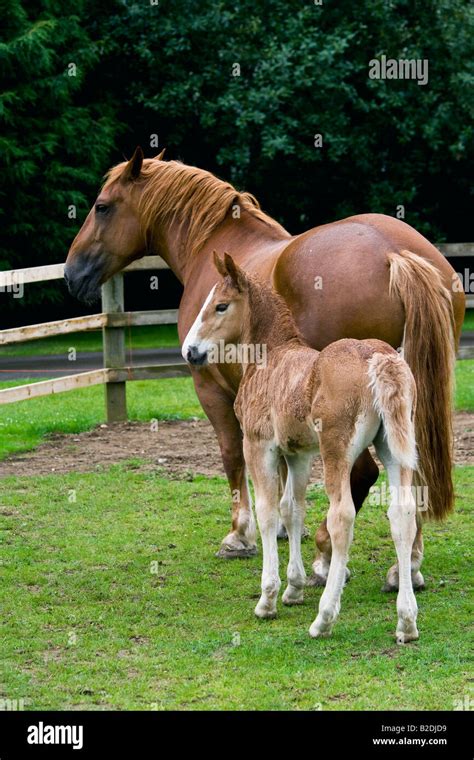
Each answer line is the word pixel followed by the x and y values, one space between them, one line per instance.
pixel 101 208
pixel 221 307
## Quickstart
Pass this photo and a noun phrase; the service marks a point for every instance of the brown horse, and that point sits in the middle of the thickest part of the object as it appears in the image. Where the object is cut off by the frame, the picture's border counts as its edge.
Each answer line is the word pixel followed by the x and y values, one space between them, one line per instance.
pixel 295 401
pixel 340 280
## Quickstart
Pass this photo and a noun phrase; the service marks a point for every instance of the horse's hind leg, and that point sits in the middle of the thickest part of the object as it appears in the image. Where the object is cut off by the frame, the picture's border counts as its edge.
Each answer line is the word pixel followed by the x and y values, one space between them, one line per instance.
pixel 293 509
pixel 418 582
pixel 262 459
pixel 402 516
pixel 340 522
pixel 363 475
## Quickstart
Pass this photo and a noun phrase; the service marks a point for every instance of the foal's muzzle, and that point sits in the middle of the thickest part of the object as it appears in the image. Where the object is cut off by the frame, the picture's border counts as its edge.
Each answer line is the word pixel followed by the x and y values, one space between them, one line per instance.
pixel 195 358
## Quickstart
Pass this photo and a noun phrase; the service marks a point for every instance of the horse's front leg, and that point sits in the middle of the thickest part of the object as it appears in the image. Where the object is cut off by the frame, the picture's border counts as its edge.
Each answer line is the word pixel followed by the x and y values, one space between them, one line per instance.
pixel 262 458
pixel 218 405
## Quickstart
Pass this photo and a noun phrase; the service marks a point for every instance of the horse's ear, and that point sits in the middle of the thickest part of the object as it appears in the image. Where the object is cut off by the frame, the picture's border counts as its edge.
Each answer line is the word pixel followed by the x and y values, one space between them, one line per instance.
pixel 219 264
pixel 134 166
pixel 236 274
pixel 160 156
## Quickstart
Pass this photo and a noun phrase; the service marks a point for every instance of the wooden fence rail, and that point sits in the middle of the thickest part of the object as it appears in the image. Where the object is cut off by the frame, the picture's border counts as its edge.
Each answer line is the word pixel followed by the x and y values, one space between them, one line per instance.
pixel 113 321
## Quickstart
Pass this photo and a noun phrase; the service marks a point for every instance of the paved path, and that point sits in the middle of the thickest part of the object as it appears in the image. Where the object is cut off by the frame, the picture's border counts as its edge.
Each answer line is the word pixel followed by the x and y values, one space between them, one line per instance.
pixel 54 365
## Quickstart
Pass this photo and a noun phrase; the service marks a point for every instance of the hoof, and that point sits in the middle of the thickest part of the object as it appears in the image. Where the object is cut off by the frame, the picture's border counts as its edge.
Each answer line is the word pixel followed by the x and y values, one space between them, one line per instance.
pixel 404 637
pixel 282 534
pixel 230 552
pixel 391 583
pixel 320 631
pixel 292 596
pixel 316 580
pixel 264 613
pixel 418 581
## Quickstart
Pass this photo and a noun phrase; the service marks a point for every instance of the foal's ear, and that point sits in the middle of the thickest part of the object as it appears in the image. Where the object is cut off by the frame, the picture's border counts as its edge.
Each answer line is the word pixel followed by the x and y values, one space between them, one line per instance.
pixel 219 264
pixel 160 156
pixel 236 274
pixel 134 166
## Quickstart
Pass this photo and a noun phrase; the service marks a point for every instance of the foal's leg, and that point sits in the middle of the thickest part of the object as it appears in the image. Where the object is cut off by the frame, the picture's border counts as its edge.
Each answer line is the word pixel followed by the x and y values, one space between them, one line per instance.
pixel 262 458
pixel 402 516
pixel 363 476
pixel 282 531
pixel 418 582
pixel 293 509
pixel 340 522
pixel 283 472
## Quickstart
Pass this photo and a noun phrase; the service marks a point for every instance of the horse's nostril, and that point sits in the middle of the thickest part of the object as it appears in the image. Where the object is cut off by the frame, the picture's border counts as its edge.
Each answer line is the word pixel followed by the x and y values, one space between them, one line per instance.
pixel 194 357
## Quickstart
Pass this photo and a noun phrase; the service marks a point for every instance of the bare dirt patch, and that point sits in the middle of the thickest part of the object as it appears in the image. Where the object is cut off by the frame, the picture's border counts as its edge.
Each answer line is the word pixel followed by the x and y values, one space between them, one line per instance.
pixel 177 447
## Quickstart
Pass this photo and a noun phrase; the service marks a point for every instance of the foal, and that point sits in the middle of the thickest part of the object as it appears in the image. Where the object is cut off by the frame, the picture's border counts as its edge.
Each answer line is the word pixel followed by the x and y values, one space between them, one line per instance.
pixel 295 401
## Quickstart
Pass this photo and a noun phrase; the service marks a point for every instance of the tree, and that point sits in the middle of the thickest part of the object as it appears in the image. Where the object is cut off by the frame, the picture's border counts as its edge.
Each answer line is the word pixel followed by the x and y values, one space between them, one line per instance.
pixel 245 88
pixel 55 143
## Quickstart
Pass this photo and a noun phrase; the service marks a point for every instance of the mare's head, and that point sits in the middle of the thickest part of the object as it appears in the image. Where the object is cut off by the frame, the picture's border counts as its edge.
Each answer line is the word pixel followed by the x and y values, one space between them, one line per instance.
pixel 111 236
pixel 223 316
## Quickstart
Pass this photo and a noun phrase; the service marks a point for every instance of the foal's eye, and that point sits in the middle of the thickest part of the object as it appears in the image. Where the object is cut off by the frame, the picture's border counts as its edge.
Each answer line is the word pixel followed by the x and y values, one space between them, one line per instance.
pixel 222 307
pixel 101 208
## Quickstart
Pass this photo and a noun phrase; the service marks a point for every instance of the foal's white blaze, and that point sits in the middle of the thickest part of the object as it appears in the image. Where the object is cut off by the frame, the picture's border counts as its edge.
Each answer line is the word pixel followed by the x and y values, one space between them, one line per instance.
pixel 192 338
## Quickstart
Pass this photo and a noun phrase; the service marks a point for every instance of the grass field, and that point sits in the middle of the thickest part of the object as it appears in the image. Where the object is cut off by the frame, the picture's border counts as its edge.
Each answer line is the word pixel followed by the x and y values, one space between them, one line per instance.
pixel 111 598
pixel 24 424
pixel 469 320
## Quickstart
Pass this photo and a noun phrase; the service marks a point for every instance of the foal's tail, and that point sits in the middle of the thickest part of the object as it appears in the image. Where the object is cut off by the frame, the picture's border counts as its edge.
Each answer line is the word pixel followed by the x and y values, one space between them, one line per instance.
pixel 428 348
pixel 394 397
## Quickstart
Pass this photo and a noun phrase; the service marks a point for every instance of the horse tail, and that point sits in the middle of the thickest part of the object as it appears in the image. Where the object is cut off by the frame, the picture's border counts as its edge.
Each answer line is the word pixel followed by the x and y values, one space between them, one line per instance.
pixel 429 350
pixel 394 397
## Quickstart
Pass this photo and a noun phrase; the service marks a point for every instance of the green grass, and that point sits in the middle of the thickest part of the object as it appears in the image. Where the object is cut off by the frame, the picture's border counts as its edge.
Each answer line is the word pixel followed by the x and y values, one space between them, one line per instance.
pixel 24 424
pixel 464 395
pixel 158 336
pixel 468 320
pixel 88 622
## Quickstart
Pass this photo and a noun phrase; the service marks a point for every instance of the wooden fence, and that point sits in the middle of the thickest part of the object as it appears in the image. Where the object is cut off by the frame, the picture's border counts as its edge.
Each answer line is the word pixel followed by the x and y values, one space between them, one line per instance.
pixel 113 321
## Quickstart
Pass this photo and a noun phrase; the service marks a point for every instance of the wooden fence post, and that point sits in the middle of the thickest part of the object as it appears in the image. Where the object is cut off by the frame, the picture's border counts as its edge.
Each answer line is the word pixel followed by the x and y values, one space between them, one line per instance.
pixel 114 349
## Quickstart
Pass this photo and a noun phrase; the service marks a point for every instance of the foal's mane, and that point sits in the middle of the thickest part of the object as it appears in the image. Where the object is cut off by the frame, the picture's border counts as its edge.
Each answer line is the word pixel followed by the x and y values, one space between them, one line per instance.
pixel 173 191
pixel 272 321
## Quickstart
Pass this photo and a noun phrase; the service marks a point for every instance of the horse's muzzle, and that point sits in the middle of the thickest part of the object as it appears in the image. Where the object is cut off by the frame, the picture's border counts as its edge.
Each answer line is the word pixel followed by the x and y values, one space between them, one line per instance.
pixel 196 359
pixel 83 280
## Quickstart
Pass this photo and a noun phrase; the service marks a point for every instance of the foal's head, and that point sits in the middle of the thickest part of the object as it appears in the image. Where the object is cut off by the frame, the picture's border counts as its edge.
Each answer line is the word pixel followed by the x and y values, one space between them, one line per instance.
pixel 224 314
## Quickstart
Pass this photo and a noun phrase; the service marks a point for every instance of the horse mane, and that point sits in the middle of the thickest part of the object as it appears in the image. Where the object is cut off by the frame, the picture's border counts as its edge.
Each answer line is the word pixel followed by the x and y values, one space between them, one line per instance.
pixel 272 320
pixel 173 191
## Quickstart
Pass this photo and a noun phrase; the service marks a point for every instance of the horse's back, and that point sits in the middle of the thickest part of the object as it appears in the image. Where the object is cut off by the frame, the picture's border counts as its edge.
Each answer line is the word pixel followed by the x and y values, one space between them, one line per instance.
pixel 336 277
